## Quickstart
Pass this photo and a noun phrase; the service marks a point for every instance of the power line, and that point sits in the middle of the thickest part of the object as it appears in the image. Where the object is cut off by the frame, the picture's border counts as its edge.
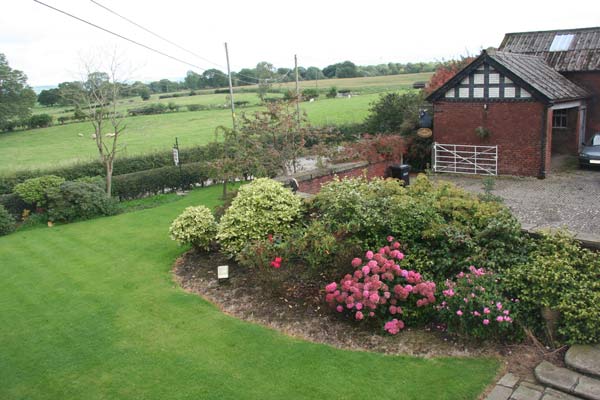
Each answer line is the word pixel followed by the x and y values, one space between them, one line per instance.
pixel 154 33
pixel 120 36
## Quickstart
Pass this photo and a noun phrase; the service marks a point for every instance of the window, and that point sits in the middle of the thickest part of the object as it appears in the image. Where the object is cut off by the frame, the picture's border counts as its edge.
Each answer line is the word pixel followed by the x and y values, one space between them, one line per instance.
pixel 561 42
pixel 559 119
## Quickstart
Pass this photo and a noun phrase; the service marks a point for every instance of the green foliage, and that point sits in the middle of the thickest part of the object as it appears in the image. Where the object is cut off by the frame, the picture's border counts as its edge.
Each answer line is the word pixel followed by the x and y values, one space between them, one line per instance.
pixel 145 93
pixel 13 203
pixel 35 191
pixel 261 208
pixel 310 93
pixel 49 97
pixel 564 277
pixel 160 180
pixel 394 113
pixel 418 152
pixel 39 121
pixel 195 226
pixel 332 93
pixel 7 221
pixel 445 228
pixel 150 109
pixel 16 98
pixel 78 200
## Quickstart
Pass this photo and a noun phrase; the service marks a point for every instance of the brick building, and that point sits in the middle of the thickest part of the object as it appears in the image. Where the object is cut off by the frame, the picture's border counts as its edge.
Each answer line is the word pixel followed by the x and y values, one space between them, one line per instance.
pixel 510 110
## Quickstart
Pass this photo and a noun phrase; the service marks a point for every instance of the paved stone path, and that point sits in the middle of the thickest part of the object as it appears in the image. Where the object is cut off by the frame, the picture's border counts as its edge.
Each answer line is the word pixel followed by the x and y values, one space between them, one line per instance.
pixel 581 380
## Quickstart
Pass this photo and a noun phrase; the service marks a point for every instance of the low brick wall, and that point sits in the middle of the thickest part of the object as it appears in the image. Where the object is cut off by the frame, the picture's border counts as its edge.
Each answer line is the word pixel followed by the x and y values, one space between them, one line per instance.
pixel 311 182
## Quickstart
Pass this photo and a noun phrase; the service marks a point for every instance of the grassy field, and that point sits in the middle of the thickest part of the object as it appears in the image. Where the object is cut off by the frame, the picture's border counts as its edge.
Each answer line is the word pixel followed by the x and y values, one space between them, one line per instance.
pixel 61 144
pixel 89 311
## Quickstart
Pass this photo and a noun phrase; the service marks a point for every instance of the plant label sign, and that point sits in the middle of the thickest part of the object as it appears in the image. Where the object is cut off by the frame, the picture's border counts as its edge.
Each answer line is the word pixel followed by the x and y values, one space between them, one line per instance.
pixel 176 155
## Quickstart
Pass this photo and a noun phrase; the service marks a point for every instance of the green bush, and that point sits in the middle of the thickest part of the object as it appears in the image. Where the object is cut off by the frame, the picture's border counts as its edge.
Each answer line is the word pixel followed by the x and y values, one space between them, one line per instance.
pixel 150 109
pixel 310 94
pixel 7 222
pixel 332 93
pixel 13 204
pixel 394 113
pixel 78 200
pixel 159 180
pixel 261 208
pixel 445 228
pixel 195 226
pixel 39 121
pixel 35 191
pixel 562 276
pixel 196 107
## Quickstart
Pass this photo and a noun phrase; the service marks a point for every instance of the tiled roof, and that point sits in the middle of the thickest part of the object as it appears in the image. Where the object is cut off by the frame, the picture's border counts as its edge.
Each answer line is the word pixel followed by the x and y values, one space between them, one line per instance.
pixel 534 71
pixel 572 49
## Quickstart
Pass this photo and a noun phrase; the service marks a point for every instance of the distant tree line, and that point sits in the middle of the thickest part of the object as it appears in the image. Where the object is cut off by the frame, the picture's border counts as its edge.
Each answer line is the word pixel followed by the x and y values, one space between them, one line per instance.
pixel 263 75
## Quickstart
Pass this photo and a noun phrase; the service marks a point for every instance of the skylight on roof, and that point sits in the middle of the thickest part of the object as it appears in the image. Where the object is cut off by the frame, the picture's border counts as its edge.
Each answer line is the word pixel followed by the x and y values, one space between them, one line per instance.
pixel 562 42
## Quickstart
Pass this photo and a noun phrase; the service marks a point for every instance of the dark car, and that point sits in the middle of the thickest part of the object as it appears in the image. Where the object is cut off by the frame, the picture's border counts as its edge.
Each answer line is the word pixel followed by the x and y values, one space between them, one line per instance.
pixel 590 153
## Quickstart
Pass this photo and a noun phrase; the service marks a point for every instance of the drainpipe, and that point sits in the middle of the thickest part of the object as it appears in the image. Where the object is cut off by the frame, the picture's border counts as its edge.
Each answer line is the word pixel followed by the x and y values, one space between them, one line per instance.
pixel 542 173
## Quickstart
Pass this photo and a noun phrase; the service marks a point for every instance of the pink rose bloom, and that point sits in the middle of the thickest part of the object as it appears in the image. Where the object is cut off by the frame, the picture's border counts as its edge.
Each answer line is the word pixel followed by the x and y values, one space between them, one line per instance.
pixel 486 311
pixel 396 245
pixel 372 264
pixel 331 287
pixel 507 319
pixel 392 310
pixel 408 288
pixel 404 273
pixel 359 306
pixel 499 318
pixel 356 262
pixel 339 308
pixel 359 315
pixel 459 313
pixel 499 306
pixel 366 270
pixel 371 314
pixel 486 321
pixel 387 295
pixel 390 239
pixel 505 312
pixel 366 294
pixel 476 313
pixel 400 255
pixel 369 255
pixel 374 298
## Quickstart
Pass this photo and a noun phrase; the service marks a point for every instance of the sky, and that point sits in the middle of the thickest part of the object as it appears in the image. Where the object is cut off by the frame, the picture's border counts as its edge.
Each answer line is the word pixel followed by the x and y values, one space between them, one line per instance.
pixel 50 47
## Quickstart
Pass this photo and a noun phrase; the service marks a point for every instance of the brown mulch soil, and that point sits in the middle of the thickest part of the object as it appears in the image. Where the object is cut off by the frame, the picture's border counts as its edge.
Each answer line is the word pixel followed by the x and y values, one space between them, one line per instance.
pixel 301 312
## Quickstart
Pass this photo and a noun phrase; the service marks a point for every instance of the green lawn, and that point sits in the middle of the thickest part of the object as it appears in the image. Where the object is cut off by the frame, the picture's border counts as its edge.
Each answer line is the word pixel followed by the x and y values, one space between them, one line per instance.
pixel 61 144
pixel 89 311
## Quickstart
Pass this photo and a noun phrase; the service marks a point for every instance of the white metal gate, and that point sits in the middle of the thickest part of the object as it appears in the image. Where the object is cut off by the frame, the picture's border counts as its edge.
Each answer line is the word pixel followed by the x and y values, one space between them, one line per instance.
pixel 465 159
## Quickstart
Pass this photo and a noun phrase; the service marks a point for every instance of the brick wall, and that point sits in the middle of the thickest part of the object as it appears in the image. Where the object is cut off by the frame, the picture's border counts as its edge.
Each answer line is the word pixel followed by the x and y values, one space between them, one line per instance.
pixel 515 128
pixel 590 81
pixel 312 183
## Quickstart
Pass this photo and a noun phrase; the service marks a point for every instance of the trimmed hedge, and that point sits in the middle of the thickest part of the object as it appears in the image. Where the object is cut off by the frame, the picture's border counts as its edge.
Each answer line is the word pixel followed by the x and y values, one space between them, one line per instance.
pixel 160 180
pixel 123 165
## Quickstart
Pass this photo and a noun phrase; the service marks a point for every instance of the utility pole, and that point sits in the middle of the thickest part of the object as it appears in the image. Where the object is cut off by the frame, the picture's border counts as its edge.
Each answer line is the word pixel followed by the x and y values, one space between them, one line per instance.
pixel 230 88
pixel 297 90
pixel 232 116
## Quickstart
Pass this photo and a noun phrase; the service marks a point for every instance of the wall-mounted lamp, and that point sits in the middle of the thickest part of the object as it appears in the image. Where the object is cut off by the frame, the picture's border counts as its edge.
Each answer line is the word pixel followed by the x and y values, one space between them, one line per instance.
pixel 485 107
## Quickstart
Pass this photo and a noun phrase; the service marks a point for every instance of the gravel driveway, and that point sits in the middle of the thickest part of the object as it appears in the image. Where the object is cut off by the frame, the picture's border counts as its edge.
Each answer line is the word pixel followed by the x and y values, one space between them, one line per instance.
pixel 569 198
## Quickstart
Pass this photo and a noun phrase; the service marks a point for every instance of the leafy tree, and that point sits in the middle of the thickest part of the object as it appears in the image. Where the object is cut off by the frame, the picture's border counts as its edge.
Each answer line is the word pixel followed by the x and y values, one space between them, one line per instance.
pixel 265 73
pixel 144 93
pixel 214 78
pixel 70 93
pixel 16 97
pixel 49 97
pixel 394 113
pixel 246 76
pixel 444 72
pixel 313 73
pixel 193 80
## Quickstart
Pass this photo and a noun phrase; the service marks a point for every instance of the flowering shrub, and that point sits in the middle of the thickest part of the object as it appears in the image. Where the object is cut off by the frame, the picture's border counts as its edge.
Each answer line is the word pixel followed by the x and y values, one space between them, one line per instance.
pixel 261 208
pixel 380 289
pixel 473 306
pixel 196 226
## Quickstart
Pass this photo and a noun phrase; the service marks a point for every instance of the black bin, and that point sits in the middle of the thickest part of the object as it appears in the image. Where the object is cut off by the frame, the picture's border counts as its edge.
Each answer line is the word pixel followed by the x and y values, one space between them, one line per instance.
pixel 400 171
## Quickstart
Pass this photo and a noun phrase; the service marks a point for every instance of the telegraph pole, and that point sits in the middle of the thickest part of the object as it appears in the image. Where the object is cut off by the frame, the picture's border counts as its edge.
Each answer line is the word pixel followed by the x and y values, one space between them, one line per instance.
pixel 297 90
pixel 230 87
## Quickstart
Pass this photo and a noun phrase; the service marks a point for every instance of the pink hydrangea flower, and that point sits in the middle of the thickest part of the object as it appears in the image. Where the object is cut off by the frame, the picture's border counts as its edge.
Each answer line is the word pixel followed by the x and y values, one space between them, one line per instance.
pixel 486 321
